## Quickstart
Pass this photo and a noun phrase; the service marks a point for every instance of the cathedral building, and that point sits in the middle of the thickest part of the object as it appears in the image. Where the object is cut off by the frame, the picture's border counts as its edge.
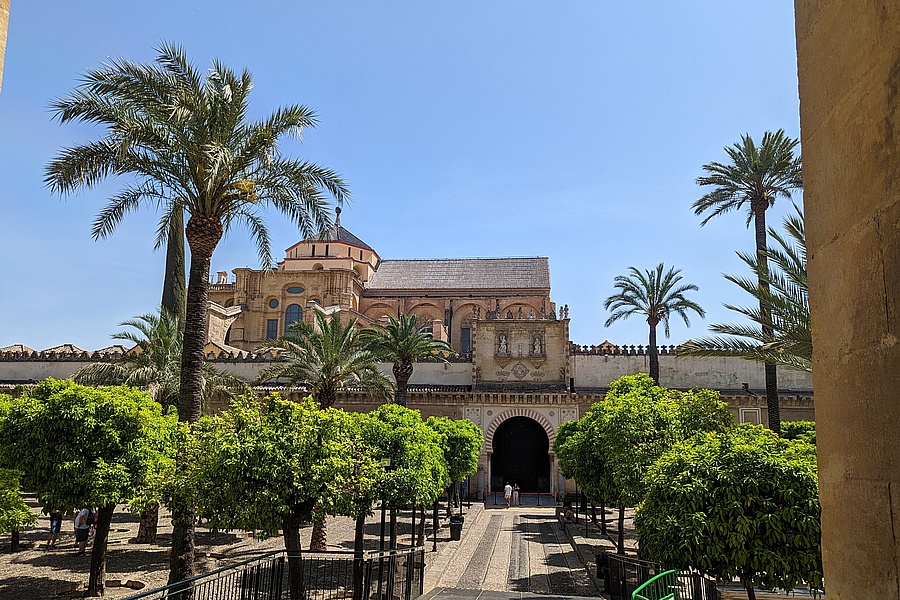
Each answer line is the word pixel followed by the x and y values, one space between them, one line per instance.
pixel 515 373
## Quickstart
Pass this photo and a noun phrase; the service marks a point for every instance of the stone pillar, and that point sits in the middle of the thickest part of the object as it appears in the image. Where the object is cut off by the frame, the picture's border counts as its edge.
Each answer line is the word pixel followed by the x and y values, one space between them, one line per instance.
pixel 849 67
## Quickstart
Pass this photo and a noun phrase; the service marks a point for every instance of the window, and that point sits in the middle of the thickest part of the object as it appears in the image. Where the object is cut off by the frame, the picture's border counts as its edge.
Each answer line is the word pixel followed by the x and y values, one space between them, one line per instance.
pixel 751 415
pixel 326 249
pixel 273 303
pixel 293 314
pixel 272 329
pixel 294 290
pixel 360 255
pixel 313 249
pixel 465 340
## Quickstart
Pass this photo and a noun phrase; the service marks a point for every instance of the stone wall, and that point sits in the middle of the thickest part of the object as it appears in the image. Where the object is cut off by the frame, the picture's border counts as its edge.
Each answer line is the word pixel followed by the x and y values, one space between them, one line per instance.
pixel 595 371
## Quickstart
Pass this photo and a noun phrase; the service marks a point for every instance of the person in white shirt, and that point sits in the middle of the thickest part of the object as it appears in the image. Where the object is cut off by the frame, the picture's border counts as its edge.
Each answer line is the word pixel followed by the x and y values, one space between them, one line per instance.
pixel 507 494
pixel 82 528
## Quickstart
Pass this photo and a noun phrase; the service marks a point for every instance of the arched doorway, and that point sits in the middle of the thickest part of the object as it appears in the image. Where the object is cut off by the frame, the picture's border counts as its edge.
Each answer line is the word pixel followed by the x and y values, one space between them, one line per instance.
pixel 521 455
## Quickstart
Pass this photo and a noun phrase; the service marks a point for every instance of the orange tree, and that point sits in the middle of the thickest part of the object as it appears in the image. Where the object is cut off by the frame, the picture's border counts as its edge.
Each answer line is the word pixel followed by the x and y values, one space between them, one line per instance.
pixel 80 446
pixel 740 503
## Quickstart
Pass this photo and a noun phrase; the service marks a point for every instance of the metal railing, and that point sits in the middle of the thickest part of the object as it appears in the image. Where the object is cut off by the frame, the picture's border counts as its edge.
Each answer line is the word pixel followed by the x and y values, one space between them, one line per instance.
pixel 624 574
pixel 393 575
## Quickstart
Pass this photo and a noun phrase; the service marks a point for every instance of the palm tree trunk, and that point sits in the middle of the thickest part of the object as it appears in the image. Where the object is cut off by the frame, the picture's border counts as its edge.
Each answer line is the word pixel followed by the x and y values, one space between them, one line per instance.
pixel 654 355
pixel 148 525
pixel 402 373
pixel 173 295
pixel 772 406
pixel 173 302
pixel 203 234
pixel 318 541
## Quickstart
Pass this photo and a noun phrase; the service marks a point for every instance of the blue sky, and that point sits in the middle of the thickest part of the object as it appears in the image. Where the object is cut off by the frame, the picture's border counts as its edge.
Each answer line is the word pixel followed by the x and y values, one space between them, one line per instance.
pixel 464 129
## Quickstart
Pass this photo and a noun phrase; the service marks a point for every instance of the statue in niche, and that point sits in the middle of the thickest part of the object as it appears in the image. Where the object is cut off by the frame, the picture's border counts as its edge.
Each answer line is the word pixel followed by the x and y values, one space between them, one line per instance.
pixel 531 315
pixel 520 312
pixel 543 313
pixel 536 345
pixel 502 347
pixel 509 314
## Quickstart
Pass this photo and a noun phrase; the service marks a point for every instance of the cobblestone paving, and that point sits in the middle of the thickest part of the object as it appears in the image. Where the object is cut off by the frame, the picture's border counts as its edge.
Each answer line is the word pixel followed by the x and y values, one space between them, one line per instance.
pixel 517 550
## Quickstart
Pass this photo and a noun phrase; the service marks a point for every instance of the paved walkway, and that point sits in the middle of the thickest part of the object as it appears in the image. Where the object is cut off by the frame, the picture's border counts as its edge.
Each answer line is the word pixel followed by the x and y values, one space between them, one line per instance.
pixel 519 550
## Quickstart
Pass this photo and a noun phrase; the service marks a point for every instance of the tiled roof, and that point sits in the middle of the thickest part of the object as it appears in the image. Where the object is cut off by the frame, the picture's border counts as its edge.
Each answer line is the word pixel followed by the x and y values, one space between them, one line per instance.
pixel 64 349
pixel 336 233
pixel 462 273
pixel 21 348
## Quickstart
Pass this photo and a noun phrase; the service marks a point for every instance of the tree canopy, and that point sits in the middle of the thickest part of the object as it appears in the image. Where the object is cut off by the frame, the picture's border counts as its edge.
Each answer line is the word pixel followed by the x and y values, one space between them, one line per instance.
pixel 403 341
pixel 461 440
pixel 326 357
pixel 738 503
pixel 655 295
pixel 81 446
pixel 782 334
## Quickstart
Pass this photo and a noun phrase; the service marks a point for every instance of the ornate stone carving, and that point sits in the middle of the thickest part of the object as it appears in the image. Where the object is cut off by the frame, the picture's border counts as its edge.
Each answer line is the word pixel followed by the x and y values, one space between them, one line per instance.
pixel 474 415
pixel 519 371
pixel 567 414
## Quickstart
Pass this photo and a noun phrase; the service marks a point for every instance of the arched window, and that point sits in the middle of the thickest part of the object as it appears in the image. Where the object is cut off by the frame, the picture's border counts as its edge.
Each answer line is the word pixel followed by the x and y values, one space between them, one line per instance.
pixel 292 314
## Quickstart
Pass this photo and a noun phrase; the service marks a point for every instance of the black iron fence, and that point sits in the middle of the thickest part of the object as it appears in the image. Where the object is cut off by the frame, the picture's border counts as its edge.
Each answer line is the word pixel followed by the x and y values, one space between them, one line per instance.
pixel 394 575
pixel 624 574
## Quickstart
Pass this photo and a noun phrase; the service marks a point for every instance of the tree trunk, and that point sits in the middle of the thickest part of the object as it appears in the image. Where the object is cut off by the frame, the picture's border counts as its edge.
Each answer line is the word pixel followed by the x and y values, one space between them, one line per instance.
pixel 402 373
pixel 97 579
pixel 291 525
pixel 173 295
pixel 759 226
pixel 319 539
pixel 148 525
pixel 621 543
pixel 420 541
pixel 751 593
pixel 359 542
pixel 653 351
pixel 181 558
pixel 392 545
pixel 603 518
pixel 203 234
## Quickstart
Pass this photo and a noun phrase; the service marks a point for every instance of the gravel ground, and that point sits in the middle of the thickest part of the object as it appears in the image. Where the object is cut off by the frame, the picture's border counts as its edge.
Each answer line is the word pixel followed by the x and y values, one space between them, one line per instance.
pixel 36 572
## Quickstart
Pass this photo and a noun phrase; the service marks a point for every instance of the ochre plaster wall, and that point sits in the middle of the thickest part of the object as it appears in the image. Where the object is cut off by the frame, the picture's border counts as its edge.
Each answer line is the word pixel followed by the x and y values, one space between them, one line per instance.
pixel 849 68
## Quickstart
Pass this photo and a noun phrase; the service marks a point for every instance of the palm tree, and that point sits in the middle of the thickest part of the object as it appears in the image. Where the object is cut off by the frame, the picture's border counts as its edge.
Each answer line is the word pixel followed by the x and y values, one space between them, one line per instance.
pixel 186 140
pixel 655 295
pixel 786 298
pixel 325 359
pixel 403 342
pixel 154 364
pixel 753 179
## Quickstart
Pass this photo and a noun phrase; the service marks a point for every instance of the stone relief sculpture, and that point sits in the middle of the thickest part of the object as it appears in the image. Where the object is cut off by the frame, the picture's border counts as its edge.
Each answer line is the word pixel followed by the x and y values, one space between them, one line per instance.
pixel 537 346
pixel 502 346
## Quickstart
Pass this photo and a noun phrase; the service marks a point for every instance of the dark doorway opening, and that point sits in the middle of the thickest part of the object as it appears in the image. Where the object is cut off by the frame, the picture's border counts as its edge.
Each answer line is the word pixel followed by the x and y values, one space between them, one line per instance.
pixel 521 455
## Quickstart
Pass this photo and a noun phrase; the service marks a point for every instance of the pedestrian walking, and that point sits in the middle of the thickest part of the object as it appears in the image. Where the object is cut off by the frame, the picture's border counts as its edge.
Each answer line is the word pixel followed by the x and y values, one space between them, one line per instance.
pixel 507 493
pixel 56 518
pixel 515 494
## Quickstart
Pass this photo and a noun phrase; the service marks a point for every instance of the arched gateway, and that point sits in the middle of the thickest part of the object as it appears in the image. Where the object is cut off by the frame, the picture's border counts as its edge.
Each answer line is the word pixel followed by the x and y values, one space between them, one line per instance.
pixel 518 444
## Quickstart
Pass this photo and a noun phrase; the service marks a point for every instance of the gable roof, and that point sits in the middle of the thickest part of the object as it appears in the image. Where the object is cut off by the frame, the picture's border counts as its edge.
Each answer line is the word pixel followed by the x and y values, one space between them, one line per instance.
pixel 462 273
